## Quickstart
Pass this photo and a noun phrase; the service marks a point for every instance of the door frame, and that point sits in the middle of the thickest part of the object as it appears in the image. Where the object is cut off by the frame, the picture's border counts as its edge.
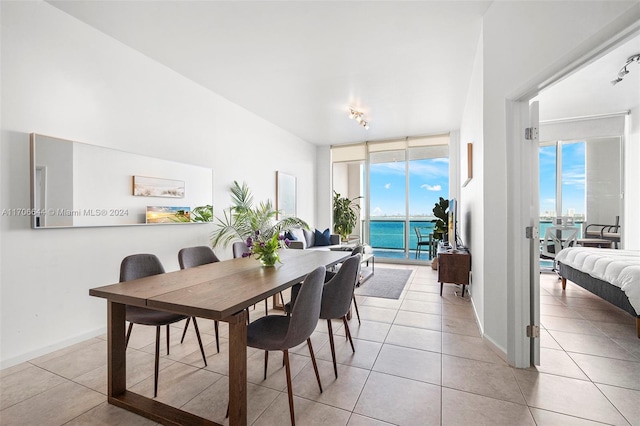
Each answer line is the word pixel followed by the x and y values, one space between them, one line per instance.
pixel 520 183
pixel 520 187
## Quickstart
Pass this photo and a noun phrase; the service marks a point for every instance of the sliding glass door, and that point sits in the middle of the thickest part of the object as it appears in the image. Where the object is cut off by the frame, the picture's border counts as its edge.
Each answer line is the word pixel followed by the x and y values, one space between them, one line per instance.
pixel 580 182
pixel 404 187
pixel 388 203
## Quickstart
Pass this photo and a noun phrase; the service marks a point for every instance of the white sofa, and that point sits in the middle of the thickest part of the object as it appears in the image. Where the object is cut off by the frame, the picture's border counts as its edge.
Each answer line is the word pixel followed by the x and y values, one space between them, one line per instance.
pixel 305 239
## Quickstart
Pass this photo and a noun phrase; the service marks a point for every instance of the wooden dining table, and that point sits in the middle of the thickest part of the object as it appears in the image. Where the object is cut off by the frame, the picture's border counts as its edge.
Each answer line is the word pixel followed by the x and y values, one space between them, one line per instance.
pixel 218 291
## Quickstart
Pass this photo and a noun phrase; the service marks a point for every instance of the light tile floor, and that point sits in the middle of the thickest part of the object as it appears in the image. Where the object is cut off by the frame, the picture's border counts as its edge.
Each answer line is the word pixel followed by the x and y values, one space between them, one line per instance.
pixel 419 360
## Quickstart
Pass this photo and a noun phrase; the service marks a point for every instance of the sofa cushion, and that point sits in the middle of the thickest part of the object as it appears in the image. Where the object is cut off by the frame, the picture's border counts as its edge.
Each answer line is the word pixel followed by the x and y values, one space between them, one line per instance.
pixel 309 237
pixel 322 238
pixel 298 235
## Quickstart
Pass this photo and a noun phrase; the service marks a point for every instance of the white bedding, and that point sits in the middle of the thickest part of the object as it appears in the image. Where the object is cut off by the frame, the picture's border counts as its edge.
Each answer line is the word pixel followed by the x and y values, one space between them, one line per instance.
pixel 618 267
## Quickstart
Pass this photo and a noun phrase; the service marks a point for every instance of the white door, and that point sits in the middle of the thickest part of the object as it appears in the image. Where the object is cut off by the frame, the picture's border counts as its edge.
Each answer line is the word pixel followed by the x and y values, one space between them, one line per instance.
pixel 523 267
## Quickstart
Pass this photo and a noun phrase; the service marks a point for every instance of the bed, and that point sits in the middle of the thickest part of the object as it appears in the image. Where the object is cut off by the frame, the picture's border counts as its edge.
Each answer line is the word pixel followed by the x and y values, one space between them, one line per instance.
pixel 614 275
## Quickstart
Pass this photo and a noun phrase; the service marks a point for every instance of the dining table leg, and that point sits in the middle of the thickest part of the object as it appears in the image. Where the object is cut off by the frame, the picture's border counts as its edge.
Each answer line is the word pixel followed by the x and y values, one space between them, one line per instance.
pixel 116 355
pixel 238 369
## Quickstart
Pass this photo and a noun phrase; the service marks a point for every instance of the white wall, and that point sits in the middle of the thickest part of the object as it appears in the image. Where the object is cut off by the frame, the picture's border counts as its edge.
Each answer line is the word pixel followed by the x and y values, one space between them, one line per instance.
pixel 524 43
pixel 62 78
pixel 471 210
pixel 323 193
pixel 631 224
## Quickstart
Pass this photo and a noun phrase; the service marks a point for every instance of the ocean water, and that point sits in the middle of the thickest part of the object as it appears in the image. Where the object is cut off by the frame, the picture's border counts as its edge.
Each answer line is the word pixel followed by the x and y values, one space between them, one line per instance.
pixel 390 234
pixel 546 224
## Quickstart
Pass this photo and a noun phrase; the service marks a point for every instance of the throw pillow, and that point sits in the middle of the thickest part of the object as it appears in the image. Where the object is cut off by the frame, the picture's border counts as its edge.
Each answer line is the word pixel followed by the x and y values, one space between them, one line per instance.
pixel 309 237
pixel 323 238
pixel 290 236
pixel 298 235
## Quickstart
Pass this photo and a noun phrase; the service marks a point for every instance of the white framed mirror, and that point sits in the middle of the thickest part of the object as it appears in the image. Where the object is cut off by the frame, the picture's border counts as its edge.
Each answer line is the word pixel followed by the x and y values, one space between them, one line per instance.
pixel 75 184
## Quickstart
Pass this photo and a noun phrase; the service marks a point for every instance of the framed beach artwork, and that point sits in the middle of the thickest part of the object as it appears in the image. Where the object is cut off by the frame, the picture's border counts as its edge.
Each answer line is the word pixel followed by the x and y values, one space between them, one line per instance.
pixel 285 195
pixel 168 214
pixel 469 164
pixel 145 186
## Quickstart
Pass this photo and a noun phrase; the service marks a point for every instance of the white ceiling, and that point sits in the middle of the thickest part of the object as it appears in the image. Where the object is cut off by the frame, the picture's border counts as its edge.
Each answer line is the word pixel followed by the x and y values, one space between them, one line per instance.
pixel 589 91
pixel 300 65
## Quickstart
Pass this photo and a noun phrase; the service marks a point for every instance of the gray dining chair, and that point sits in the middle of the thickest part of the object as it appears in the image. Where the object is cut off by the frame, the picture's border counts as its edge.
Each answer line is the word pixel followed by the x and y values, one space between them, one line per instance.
pixel 359 249
pixel 336 299
pixel 239 248
pixel 190 257
pixel 139 266
pixel 281 333
pixel 330 274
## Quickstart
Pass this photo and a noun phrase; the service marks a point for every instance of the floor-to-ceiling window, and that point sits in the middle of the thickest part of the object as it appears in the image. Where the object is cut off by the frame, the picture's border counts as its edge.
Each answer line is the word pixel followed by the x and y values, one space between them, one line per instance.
pixel 580 183
pixel 400 182
pixel 562 183
pixel 581 171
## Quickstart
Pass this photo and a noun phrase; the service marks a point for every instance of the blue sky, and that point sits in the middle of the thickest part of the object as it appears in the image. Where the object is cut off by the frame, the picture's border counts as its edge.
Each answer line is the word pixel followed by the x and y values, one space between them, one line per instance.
pixel 428 180
pixel 573 178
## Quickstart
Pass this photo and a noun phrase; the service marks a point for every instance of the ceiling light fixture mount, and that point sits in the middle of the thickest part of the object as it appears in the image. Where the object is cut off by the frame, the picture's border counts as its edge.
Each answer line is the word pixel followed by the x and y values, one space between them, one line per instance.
pixel 359 117
pixel 624 71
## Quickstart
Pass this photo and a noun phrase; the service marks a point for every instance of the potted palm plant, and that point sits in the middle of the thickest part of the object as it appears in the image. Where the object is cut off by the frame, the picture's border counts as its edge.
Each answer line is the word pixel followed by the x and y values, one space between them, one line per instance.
pixel 243 220
pixel 441 224
pixel 345 215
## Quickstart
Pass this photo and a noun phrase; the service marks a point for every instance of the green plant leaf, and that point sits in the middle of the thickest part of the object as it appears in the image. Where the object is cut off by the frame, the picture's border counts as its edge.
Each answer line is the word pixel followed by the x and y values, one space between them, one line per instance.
pixel 345 214
pixel 242 219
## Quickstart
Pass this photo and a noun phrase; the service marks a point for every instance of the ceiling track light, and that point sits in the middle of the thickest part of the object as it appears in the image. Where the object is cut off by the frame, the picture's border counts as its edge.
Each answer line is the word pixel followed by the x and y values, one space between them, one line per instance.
pixel 359 117
pixel 624 71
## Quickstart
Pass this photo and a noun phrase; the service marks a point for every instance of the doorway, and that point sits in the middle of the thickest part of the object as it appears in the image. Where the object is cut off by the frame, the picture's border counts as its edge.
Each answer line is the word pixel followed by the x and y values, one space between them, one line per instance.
pixel 526 304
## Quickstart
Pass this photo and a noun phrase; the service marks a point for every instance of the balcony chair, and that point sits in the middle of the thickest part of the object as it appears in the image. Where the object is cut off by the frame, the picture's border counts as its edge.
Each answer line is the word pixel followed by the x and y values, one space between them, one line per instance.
pixel 604 232
pixel 555 239
pixel 191 257
pixel 423 241
pixel 143 265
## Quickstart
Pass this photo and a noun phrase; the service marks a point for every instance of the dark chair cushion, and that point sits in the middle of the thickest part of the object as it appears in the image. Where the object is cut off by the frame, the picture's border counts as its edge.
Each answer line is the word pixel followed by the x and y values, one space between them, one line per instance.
pixel 144 316
pixel 268 332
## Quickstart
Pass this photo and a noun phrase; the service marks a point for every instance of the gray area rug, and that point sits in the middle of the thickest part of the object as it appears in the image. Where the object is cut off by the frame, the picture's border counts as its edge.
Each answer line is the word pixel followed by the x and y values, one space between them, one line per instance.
pixel 386 283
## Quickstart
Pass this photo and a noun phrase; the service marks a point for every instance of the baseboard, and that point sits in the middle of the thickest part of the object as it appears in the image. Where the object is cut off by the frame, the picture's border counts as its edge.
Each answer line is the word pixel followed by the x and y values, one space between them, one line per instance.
pixel 487 340
pixel 495 347
pixel 10 362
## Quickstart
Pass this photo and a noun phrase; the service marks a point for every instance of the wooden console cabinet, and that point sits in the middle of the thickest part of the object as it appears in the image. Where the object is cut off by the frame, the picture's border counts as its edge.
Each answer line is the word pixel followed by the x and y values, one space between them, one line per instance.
pixel 454 268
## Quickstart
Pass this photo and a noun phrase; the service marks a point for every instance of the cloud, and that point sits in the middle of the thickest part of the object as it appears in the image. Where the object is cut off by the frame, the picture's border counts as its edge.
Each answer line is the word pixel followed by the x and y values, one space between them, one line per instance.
pixel 574 176
pixel 387 185
pixel 377 212
pixel 431 187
